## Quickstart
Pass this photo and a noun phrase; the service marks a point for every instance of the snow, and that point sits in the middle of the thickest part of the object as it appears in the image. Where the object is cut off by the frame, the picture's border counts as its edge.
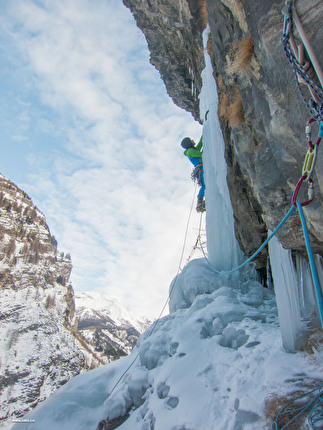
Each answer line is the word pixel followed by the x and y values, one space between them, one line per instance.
pixel 35 346
pixel 213 362
pixel 77 404
pixel 216 360
pixel 91 302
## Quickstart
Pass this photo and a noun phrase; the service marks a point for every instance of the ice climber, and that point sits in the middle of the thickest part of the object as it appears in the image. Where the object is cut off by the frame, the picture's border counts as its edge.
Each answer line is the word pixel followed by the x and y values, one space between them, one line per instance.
pixel 194 153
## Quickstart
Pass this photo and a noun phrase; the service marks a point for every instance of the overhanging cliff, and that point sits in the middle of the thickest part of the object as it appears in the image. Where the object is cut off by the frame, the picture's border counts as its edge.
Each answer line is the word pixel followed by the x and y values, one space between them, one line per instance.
pixel 175 43
pixel 262 114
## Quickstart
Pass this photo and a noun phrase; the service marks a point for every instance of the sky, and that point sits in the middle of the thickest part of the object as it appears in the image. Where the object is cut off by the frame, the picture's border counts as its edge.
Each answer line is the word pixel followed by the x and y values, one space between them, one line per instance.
pixel 88 131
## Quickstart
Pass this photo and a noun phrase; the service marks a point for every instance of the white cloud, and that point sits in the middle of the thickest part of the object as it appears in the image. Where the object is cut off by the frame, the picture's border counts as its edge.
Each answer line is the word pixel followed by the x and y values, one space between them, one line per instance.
pixel 115 189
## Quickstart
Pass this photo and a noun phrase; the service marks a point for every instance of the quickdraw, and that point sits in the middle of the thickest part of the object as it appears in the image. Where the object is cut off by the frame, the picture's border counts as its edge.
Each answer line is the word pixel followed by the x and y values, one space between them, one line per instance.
pixel 304 72
pixel 308 165
pixel 308 133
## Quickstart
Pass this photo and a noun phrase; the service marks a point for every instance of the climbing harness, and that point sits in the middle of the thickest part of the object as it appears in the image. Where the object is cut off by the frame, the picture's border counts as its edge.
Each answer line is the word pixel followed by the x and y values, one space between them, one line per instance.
pixel 196 174
pixel 315 418
pixel 304 72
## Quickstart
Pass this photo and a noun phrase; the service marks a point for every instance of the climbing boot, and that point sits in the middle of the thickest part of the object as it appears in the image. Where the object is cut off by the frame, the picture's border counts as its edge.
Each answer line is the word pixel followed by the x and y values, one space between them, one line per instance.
pixel 200 207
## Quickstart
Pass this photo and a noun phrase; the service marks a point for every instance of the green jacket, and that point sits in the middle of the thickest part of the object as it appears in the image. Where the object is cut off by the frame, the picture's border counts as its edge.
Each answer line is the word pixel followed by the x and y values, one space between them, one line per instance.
pixel 195 152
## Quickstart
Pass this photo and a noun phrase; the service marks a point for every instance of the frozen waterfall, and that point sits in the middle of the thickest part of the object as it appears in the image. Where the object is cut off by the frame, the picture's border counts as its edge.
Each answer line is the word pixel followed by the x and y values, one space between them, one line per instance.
pixel 223 249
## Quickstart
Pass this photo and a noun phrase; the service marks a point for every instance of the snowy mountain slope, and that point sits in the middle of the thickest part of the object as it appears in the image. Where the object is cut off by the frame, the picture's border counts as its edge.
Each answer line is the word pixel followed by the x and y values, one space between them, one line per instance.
pixel 92 302
pixel 39 345
pixel 215 362
pixel 108 327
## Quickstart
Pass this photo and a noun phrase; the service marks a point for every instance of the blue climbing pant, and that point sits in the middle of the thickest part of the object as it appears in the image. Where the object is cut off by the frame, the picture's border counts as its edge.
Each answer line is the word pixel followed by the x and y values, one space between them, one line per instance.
pixel 202 189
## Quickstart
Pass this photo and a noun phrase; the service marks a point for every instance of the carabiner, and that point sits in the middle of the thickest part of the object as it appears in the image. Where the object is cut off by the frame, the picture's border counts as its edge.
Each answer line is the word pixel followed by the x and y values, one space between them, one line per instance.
pixel 287 12
pixel 310 191
pixel 309 162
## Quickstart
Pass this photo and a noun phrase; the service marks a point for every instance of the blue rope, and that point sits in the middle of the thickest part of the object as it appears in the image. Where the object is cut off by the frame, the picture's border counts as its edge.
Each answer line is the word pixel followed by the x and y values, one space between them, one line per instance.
pixel 315 418
pixel 317 285
pixel 316 281
pixel 258 250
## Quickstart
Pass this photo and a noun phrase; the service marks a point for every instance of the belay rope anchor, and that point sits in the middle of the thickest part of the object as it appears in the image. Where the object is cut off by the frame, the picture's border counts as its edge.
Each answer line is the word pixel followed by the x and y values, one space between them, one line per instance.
pixel 309 164
pixel 298 65
pixel 315 419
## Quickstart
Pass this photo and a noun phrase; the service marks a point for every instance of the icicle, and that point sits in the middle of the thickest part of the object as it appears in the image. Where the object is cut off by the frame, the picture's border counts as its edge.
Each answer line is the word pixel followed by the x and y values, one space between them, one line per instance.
pixel 306 288
pixel 285 283
pixel 223 248
pixel 319 267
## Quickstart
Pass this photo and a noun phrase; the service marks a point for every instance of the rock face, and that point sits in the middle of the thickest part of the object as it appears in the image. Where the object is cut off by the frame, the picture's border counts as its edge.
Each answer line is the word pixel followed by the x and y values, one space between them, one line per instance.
pixel 111 332
pixel 262 114
pixel 40 349
pixel 265 139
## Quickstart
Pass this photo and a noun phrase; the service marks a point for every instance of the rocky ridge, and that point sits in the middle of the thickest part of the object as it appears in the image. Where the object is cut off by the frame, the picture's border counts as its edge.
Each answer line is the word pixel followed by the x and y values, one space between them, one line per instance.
pixel 40 349
pixel 261 112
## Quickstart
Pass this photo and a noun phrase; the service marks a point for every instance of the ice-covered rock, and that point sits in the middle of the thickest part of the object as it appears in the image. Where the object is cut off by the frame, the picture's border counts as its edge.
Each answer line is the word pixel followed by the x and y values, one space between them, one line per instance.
pixel 212 363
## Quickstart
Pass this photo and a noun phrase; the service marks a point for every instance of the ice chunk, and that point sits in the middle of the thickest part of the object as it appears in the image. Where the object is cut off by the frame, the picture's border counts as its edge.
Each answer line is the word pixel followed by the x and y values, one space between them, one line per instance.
pixel 196 279
pixel 253 293
pixel 244 418
pixel 117 407
pixel 233 338
pixel 217 326
pixel 152 355
pixel 285 283
pixel 172 402
pixel 163 390
pixel 137 386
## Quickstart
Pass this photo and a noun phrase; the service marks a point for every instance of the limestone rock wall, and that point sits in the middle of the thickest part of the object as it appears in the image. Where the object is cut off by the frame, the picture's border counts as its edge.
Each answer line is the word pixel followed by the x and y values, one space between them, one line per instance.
pixel 261 112
pixel 263 118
